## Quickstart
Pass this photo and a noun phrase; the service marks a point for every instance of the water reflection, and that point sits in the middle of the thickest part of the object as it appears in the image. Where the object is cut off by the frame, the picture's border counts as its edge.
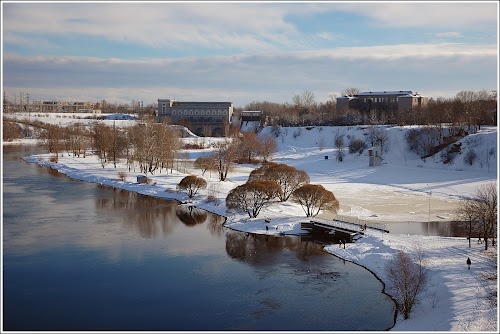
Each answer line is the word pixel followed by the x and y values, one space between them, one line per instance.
pixel 434 228
pixel 85 247
pixel 261 249
pixel 191 215
pixel 215 225
pixel 148 215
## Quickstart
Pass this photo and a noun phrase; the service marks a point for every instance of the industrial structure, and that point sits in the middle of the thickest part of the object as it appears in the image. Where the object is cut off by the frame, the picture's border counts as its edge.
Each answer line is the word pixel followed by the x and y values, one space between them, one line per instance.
pixel 210 119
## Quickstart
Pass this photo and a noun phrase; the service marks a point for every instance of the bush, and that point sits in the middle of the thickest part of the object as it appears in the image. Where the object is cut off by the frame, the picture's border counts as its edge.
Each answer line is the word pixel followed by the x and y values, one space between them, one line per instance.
pixel 252 196
pixel 54 158
pixel 313 198
pixel 449 154
pixel 191 184
pixel 122 175
pixel 357 145
pixel 470 157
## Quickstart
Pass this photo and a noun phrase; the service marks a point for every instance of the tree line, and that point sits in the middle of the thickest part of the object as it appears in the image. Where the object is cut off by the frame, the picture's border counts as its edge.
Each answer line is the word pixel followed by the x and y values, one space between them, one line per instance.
pixel 148 146
pixel 467 108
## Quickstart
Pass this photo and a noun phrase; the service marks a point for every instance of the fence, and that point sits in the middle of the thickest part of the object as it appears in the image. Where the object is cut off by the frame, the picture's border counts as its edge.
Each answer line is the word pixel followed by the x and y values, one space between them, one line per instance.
pixel 339 219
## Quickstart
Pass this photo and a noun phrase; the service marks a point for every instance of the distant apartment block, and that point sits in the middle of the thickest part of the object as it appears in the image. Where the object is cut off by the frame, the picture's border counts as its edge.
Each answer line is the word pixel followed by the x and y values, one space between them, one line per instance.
pixel 58 106
pixel 388 101
pixel 210 119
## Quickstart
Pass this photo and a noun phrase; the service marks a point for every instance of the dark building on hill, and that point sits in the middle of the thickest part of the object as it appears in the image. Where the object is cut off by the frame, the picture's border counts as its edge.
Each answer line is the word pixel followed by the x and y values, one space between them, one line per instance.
pixel 386 101
pixel 210 119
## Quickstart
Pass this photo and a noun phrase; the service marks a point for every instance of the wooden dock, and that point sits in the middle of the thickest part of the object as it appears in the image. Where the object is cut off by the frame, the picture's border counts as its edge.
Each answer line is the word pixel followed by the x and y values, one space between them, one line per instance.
pixel 337 229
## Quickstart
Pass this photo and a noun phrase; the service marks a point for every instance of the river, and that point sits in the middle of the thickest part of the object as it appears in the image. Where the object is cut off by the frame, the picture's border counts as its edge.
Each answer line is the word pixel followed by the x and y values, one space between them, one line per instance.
pixel 81 257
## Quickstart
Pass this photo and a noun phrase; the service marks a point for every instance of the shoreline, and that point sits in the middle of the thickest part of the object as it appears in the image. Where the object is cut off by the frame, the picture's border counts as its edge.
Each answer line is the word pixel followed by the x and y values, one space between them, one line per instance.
pixel 370 252
pixel 224 224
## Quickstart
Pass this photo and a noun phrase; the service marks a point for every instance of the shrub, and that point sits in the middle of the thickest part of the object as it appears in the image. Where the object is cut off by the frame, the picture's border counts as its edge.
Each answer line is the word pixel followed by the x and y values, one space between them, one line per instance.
pixel 313 198
pixel 470 157
pixel 287 177
pixel 449 154
pixel 191 184
pixel 252 196
pixel 357 145
pixel 54 158
pixel 122 175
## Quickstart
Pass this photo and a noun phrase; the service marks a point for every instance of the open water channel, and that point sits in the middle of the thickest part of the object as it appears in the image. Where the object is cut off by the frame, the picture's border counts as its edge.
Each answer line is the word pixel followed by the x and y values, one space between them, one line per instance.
pixel 81 257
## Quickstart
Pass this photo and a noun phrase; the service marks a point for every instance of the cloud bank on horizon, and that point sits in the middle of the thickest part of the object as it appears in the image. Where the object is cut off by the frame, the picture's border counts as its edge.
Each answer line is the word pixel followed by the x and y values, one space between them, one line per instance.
pixel 243 52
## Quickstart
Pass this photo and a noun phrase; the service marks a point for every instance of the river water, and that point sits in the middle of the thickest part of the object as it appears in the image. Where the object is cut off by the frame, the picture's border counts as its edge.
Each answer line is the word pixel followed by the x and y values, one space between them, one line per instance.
pixel 81 257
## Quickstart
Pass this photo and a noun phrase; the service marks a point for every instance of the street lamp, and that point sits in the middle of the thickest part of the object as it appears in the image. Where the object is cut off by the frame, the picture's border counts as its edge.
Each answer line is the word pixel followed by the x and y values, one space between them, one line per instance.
pixel 429 216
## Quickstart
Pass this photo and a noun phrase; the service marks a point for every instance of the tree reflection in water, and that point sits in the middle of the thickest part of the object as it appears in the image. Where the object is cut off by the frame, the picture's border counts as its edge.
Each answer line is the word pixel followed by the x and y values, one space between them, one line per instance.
pixel 257 249
pixel 191 215
pixel 152 216
pixel 216 225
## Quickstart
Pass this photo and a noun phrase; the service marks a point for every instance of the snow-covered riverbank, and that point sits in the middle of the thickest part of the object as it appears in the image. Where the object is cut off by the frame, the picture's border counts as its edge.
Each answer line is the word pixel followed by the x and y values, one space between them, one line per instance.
pixel 457 299
pixel 404 189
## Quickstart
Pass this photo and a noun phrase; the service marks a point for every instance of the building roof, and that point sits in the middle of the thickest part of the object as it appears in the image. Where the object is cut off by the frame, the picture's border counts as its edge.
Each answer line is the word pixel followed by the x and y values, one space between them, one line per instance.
pixel 398 93
pixel 395 92
pixel 252 111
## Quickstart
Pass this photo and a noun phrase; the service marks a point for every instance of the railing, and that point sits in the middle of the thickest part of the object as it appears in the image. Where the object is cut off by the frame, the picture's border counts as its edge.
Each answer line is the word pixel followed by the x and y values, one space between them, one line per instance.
pixel 341 224
pixel 349 223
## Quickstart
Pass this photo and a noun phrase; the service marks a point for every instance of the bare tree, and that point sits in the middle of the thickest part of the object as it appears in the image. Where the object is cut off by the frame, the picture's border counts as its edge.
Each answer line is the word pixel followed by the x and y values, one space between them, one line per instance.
pixel 191 184
pixel 305 100
pixel 467 213
pixel 485 203
pixel 225 155
pixel 379 137
pixel 350 92
pixel 11 130
pixel 54 138
pixel 287 177
pixel 339 145
pixel 205 164
pixel 252 196
pixel 152 145
pixel 313 198
pixel 101 142
pixel 249 146
pixel 408 278
pixel 267 148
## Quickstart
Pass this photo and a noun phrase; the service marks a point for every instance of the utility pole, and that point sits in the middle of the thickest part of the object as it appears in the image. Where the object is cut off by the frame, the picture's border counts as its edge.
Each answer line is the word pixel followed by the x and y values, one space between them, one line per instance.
pixel 28 106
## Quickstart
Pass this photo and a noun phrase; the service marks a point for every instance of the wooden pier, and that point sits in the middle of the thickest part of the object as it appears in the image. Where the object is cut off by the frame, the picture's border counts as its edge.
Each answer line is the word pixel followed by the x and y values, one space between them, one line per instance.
pixel 337 229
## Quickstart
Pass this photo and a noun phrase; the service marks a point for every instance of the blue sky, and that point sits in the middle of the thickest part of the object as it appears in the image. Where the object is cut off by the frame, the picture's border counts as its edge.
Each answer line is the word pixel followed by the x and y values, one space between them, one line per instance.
pixel 243 52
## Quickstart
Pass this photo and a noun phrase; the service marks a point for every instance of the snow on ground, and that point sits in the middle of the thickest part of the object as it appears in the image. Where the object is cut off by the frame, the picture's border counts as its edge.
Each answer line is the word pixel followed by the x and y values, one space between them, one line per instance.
pixel 65 119
pixel 398 191
pixel 456 298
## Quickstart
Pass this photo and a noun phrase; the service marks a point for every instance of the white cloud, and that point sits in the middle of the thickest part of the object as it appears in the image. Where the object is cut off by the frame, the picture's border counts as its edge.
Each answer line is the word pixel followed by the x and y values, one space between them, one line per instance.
pixel 428 14
pixel 453 34
pixel 243 26
pixel 214 25
pixel 272 76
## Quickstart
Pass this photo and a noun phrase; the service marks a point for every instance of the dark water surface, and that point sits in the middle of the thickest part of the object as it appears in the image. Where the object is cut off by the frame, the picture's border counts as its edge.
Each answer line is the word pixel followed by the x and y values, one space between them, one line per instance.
pixel 81 257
